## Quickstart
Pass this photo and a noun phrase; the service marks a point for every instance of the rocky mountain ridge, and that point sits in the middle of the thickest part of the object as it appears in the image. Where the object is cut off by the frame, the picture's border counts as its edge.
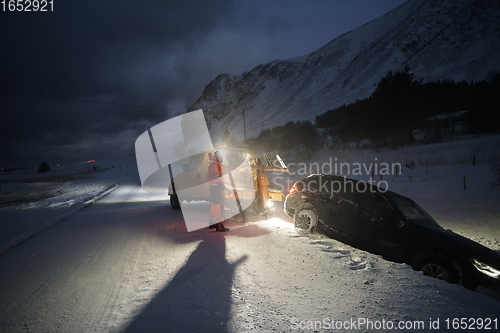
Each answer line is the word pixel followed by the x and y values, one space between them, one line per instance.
pixel 438 40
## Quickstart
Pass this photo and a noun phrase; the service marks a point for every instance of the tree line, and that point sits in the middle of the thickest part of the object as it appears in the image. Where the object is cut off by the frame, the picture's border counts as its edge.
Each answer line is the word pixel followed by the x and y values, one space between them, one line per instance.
pixel 400 104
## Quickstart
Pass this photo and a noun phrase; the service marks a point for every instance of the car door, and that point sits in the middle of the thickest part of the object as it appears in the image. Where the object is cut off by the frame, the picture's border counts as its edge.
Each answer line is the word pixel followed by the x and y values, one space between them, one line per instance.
pixel 335 198
pixel 378 225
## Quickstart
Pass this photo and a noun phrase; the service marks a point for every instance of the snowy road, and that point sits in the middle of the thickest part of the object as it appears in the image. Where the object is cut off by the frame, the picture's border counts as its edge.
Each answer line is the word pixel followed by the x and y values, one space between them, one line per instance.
pixel 126 263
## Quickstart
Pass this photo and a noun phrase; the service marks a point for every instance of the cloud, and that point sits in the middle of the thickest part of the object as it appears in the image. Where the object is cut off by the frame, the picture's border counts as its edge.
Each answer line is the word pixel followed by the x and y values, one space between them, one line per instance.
pixel 150 53
pixel 111 51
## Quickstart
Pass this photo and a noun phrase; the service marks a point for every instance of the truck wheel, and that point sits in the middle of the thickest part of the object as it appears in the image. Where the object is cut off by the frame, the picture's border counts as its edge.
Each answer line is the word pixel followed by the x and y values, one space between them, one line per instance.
pixel 174 202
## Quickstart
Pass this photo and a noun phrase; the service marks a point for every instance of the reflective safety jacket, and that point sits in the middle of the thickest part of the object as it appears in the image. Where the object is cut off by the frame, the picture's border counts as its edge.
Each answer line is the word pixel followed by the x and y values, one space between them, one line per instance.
pixel 214 171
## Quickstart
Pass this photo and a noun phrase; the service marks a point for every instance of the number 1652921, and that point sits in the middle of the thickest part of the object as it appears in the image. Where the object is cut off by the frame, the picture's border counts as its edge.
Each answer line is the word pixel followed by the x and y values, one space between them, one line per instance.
pixel 27 5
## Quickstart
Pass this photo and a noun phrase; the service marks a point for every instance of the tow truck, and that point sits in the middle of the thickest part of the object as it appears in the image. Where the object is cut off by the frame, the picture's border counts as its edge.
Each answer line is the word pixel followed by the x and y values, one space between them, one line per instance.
pixel 260 201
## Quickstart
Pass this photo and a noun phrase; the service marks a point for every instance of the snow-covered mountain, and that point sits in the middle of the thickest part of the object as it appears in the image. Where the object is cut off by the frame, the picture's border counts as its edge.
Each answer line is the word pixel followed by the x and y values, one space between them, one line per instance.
pixel 457 40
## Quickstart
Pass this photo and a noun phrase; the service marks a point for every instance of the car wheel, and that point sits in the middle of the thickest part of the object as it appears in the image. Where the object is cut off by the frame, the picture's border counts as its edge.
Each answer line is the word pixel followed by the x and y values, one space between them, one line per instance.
pixel 174 202
pixel 440 269
pixel 306 218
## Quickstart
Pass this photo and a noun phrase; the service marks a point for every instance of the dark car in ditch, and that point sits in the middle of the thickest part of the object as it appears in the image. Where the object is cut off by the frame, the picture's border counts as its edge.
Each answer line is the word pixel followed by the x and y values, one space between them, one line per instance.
pixel 394 226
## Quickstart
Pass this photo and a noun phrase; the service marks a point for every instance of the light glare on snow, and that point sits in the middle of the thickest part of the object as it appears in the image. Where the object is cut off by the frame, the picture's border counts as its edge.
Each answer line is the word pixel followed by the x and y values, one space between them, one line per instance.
pixel 160 152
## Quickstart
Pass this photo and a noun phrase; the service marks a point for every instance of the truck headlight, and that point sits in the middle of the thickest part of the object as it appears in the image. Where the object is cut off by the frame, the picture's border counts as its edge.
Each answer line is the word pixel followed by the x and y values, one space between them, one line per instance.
pixel 486 269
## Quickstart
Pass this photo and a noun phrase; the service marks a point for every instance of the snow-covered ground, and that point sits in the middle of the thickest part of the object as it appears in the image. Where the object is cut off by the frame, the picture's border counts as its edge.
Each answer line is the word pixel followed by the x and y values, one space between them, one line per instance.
pixel 126 262
pixel 31 202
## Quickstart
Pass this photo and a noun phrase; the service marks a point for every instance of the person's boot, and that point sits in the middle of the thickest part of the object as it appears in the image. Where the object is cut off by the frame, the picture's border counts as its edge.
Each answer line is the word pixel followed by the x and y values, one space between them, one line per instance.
pixel 220 227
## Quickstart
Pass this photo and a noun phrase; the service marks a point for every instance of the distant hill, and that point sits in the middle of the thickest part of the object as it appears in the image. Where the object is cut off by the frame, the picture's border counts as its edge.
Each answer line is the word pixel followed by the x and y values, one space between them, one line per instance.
pixel 455 40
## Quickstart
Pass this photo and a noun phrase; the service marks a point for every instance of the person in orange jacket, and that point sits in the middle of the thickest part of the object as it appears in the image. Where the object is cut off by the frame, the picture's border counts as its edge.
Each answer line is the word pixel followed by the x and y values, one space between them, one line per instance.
pixel 217 188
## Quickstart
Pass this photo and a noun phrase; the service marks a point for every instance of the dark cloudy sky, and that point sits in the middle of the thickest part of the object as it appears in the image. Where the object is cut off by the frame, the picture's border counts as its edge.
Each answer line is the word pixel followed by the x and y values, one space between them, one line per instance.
pixel 159 53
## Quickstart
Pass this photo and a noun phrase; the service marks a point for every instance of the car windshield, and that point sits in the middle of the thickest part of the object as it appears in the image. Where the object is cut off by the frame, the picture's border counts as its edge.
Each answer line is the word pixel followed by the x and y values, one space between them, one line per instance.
pixel 412 211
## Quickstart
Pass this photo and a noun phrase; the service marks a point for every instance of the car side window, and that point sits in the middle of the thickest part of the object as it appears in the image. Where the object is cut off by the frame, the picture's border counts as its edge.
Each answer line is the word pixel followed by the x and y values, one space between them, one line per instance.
pixel 374 201
pixel 340 188
pixel 348 191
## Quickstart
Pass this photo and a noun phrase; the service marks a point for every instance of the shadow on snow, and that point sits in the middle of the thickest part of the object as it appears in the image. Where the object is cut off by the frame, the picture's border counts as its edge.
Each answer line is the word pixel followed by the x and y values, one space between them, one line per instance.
pixel 198 298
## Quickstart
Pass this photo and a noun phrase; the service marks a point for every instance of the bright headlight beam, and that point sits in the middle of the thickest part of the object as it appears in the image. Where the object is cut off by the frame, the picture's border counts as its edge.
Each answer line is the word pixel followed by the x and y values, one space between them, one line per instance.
pixel 486 269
